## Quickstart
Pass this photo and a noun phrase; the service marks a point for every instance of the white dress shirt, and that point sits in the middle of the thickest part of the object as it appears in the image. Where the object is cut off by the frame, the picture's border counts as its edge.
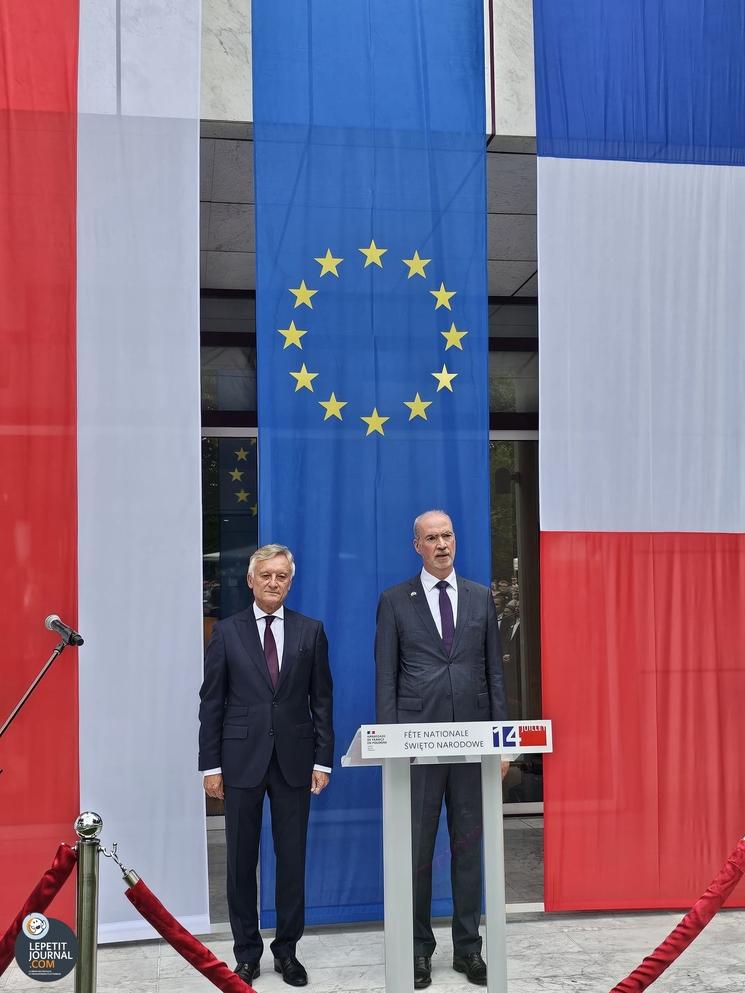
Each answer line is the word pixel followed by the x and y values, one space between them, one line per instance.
pixel 429 582
pixel 278 630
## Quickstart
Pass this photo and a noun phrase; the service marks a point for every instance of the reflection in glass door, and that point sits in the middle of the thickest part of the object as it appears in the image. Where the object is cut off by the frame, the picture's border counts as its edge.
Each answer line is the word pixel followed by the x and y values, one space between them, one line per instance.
pixel 515 588
pixel 514 529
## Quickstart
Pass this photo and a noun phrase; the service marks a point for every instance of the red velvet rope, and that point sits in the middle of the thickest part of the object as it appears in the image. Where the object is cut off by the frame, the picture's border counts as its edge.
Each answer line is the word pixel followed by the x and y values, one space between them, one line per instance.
pixel 185 944
pixel 41 896
pixel 690 927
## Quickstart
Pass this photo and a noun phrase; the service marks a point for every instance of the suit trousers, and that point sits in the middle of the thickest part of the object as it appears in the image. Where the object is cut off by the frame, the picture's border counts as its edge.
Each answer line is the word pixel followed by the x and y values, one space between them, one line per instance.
pixel 460 786
pixel 290 807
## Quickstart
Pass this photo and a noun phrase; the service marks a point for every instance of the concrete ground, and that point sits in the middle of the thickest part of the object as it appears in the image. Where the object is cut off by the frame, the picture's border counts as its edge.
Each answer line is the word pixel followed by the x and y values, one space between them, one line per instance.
pixel 558 953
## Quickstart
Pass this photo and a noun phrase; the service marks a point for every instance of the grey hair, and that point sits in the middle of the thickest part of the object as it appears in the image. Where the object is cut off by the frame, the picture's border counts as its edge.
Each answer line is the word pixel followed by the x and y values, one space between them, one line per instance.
pixel 426 513
pixel 268 552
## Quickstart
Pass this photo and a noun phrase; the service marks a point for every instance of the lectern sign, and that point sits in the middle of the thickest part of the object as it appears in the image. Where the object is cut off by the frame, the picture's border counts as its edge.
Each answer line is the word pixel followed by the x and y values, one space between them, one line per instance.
pixel 443 740
pixel 395 747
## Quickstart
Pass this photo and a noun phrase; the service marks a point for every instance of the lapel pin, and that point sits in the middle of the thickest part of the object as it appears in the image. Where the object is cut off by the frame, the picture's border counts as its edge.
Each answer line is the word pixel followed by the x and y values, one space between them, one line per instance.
pixel 413 593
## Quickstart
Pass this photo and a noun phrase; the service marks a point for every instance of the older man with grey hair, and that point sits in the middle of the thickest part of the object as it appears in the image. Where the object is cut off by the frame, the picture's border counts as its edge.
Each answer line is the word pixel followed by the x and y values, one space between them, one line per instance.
pixel 266 727
pixel 438 659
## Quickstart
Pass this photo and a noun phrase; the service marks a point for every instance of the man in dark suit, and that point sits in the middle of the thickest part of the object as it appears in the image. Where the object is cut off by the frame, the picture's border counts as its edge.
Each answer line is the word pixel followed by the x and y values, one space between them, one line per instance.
pixel 438 659
pixel 266 727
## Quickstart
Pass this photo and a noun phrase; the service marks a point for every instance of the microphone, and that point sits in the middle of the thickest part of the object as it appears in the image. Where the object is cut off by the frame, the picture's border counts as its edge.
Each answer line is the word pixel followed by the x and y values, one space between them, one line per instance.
pixel 70 637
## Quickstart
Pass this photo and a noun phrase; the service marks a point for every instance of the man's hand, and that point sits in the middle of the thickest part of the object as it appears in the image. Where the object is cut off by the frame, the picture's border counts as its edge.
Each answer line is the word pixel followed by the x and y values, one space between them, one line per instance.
pixel 505 768
pixel 213 786
pixel 318 781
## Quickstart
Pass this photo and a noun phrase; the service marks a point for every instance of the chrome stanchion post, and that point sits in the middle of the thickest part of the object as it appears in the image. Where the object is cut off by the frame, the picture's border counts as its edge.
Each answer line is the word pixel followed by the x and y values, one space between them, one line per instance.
pixel 88 828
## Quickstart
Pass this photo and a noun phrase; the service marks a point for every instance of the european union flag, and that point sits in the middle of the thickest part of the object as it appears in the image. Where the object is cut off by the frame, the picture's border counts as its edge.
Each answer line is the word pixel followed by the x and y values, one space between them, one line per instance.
pixel 372 343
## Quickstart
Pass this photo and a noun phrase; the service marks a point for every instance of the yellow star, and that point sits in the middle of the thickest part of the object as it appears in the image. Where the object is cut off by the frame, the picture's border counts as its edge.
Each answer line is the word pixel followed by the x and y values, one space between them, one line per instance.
pixel 442 296
pixel 416 265
pixel 444 379
pixel 236 475
pixel 242 496
pixel 241 454
pixel 453 337
pixel 252 441
pixel 373 255
pixel 418 407
pixel 303 295
pixel 255 509
pixel 292 335
pixel 374 422
pixel 328 263
pixel 304 379
pixel 332 406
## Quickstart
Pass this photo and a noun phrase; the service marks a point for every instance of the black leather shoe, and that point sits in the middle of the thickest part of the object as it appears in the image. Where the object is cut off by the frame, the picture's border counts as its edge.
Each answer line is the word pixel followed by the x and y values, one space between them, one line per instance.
pixel 247 971
pixel 292 971
pixel 422 971
pixel 473 965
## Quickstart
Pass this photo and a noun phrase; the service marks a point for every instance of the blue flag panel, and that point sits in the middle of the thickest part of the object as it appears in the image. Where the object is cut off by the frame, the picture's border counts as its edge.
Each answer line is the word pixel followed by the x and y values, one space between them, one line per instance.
pixel 372 346
pixel 649 80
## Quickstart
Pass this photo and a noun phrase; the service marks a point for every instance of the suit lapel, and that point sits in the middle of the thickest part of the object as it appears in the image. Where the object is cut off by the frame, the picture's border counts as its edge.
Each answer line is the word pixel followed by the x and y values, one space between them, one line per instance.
pixel 249 634
pixel 464 610
pixel 418 598
pixel 293 626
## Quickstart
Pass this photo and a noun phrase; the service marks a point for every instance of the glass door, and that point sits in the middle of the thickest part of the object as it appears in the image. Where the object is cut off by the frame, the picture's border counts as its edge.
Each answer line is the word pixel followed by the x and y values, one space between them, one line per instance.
pixel 515 588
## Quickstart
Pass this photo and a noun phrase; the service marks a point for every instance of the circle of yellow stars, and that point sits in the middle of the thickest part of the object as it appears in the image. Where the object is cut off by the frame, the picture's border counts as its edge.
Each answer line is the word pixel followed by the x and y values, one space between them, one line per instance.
pixel 236 476
pixel 303 377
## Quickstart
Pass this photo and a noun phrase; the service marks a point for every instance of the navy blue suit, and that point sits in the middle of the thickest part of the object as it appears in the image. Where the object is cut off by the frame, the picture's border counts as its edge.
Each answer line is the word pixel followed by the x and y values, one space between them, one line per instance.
pixel 266 741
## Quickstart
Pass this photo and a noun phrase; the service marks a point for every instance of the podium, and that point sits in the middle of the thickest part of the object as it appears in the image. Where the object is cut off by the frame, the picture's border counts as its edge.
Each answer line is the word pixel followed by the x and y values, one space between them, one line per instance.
pixel 395 747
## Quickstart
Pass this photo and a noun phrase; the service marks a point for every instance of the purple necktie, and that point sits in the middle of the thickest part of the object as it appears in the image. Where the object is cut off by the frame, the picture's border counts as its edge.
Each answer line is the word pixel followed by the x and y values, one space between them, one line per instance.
pixel 270 651
pixel 446 617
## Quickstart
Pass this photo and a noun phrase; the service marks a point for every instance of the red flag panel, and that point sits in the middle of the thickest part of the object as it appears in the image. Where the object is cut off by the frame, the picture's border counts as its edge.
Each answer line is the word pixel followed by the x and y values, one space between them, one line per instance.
pixel 38 494
pixel 643 647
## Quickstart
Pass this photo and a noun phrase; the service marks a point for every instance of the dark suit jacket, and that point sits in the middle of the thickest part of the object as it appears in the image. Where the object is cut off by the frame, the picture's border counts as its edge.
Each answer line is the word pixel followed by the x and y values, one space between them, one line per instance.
pixel 415 680
pixel 243 719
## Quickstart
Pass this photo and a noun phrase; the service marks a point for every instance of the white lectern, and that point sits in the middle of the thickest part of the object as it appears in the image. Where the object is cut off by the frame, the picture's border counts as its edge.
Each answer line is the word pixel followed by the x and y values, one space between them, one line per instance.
pixel 395 747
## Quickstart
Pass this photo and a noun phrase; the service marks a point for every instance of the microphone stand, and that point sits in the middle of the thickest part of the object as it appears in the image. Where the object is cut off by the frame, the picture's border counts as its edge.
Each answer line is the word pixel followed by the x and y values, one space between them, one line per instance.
pixel 45 668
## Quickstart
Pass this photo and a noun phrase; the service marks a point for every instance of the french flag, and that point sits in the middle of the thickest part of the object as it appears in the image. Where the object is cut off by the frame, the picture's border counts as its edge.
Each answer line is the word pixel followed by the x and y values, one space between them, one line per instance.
pixel 641 200
pixel 99 443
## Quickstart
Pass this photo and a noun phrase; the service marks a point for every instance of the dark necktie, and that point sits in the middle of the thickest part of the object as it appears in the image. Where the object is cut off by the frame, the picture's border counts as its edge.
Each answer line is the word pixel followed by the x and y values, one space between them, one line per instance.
pixel 270 651
pixel 446 617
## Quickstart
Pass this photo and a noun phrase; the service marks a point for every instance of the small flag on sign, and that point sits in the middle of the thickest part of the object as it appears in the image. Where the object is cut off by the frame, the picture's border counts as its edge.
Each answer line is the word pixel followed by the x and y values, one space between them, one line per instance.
pixel 532 734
